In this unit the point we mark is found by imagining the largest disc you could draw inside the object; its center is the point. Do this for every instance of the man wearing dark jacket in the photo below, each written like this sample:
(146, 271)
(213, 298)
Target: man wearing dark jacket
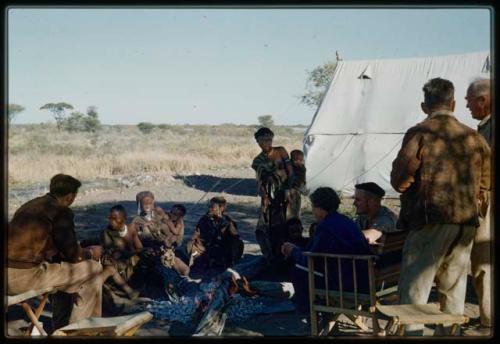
(442, 169)
(335, 234)
(43, 252)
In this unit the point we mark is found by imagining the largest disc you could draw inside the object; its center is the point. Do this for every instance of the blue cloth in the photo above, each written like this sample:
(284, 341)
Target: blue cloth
(336, 234)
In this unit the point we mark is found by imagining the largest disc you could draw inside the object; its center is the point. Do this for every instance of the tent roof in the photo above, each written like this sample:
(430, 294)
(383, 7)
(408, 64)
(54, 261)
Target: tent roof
(368, 107)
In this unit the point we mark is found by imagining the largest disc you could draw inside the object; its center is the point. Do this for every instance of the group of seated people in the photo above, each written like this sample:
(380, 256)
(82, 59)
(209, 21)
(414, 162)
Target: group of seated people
(43, 246)
(152, 241)
(155, 237)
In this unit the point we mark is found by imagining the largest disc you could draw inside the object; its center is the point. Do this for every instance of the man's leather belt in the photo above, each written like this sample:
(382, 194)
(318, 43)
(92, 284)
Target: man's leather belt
(15, 264)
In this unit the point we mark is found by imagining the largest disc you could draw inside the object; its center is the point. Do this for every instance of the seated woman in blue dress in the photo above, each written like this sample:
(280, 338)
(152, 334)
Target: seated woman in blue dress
(335, 234)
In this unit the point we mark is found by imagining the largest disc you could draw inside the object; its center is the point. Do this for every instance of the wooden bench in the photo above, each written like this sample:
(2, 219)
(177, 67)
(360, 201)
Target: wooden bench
(383, 268)
(125, 325)
(32, 315)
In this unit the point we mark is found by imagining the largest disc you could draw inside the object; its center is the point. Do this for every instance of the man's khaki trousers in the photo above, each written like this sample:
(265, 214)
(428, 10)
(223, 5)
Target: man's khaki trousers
(83, 278)
(481, 268)
(439, 253)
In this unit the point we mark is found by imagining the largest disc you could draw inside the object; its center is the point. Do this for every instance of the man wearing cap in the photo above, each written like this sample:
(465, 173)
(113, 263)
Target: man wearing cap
(479, 103)
(273, 171)
(373, 219)
(442, 170)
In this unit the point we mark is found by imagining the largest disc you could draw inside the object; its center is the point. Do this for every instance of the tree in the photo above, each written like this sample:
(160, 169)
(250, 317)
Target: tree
(91, 122)
(266, 120)
(317, 83)
(145, 127)
(74, 122)
(14, 110)
(58, 111)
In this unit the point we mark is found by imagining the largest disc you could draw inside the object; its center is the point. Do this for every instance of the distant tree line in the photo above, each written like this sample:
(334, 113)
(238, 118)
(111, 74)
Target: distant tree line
(75, 121)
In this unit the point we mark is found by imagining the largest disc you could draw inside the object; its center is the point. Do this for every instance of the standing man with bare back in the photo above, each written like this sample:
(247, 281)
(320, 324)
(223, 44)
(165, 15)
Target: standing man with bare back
(274, 171)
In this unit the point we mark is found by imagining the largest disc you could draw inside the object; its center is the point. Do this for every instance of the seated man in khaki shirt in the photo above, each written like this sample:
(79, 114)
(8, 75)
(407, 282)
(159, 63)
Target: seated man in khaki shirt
(43, 252)
(373, 219)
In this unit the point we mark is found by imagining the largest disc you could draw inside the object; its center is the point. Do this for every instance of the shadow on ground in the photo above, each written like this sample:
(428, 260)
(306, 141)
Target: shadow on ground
(233, 186)
(91, 220)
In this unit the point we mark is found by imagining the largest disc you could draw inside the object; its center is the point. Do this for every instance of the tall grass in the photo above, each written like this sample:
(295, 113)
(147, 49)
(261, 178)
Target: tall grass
(37, 152)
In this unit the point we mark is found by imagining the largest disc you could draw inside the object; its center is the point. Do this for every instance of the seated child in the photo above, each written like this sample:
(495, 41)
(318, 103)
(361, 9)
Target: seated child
(215, 241)
(160, 231)
(121, 246)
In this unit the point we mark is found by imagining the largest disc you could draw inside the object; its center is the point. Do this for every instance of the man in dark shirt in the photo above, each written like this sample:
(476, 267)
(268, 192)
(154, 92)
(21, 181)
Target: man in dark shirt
(335, 234)
(43, 252)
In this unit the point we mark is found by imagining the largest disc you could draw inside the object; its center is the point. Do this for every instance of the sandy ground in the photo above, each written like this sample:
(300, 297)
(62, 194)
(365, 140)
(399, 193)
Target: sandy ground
(239, 188)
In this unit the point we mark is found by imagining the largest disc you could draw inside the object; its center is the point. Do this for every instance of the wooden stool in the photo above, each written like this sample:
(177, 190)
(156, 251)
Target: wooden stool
(32, 315)
(401, 315)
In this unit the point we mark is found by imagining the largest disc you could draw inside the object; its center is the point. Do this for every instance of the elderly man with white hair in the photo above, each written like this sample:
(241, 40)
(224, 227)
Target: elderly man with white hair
(479, 103)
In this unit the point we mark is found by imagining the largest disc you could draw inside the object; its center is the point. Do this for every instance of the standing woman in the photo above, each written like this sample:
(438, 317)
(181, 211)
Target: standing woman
(273, 170)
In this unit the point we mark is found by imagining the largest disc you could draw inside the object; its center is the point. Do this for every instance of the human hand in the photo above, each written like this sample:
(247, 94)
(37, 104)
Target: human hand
(372, 235)
(287, 248)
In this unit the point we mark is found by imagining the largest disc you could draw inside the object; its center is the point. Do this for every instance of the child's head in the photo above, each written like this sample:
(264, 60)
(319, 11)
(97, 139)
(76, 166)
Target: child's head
(216, 205)
(117, 217)
(297, 157)
(177, 211)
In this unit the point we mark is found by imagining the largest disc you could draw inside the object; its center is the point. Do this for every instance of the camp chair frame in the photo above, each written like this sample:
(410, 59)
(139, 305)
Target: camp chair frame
(23, 298)
(382, 283)
(356, 305)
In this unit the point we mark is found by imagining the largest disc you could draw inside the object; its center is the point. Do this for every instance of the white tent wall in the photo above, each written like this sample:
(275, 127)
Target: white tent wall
(359, 126)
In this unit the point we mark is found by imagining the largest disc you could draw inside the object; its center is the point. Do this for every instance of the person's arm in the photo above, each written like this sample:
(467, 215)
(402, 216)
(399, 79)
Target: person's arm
(64, 236)
(315, 246)
(135, 239)
(288, 166)
(485, 181)
(407, 162)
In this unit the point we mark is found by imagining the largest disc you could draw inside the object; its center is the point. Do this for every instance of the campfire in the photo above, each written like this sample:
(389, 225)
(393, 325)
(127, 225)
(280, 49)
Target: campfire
(227, 296)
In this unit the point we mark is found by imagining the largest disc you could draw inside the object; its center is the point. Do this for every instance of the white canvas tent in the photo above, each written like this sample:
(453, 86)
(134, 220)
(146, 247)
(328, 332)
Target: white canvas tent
(359, 126)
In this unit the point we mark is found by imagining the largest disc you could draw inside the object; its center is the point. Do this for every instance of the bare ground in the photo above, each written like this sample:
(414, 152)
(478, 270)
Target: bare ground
(239, 188)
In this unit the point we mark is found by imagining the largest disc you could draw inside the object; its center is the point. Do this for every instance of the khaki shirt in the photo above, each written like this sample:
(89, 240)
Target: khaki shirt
(385, 221)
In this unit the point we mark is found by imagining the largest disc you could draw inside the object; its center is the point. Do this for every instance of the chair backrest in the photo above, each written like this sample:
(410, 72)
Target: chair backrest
(388, 263)
(351, 283)
(354, 279)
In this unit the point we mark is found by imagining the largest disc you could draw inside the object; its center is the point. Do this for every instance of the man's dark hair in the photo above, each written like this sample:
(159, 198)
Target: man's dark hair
(119, 208)
(263, 132)
(181, 208)
(325, 198)
(63, 184)
(438, 92)
(218, 200)
(296, 153)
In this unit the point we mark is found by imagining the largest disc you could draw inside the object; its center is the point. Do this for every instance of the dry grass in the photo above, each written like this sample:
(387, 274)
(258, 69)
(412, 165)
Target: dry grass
(37, 152)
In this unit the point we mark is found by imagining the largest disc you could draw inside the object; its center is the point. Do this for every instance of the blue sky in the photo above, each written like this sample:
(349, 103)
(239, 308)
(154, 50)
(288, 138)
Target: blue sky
(210, 66)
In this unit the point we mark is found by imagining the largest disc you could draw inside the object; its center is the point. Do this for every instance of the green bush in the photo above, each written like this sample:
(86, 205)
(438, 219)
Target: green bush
(145, 127)
(78, 122)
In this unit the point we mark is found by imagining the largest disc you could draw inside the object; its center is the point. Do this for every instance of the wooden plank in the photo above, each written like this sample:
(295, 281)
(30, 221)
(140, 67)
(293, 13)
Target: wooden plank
(420, 314)
(321, 308)
(312, 294)
(15, 299)
(348, 256)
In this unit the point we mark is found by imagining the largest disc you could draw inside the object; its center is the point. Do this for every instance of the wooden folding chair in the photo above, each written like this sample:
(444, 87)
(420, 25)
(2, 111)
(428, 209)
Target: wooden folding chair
(32, 315)
(383, 268)
(125, 325)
